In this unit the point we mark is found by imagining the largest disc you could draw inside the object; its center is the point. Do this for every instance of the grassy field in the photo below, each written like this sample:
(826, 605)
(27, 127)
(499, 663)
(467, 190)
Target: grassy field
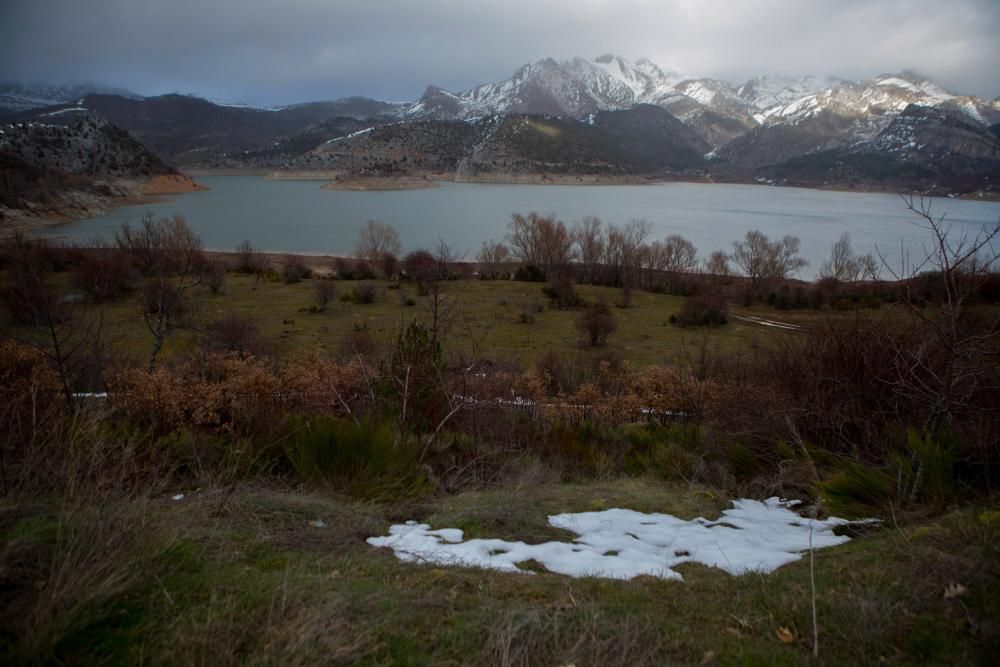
(246, 577)
(487, 320)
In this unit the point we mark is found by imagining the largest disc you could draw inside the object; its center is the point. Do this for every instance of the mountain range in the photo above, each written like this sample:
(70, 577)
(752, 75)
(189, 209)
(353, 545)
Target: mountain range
(607, 116)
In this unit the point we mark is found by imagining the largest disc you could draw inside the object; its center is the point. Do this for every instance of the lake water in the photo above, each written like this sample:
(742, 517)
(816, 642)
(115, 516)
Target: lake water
(298, 216)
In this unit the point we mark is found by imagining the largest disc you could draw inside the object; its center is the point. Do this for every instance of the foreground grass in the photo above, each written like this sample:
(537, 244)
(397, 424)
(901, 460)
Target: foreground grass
(244, 576)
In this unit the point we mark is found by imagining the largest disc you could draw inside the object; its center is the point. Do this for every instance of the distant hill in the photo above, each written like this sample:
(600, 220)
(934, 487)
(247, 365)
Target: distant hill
(935, 149)
(606, 115)
(184, 129)
(643, 140)
(57, 171)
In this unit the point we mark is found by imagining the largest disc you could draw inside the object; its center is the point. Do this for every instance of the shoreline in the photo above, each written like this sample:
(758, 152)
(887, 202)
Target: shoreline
(405, 182)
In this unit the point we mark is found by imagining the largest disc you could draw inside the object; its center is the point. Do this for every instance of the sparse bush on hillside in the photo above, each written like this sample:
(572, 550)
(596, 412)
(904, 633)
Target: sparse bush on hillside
(250, 260)
(105, 274)
(704, 310)
(597, 322)
(324, 292)
(561, 289)
(362, 294)
(233, 333)
(294, 269)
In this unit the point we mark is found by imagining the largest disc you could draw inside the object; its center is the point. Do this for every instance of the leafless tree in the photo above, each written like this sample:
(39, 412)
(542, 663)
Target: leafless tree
(764, 261)
(375, 242)
(622, 255)
(943, 362)
(844, 266)
(48, 320)
(540, 241)
(170, 256)
(492, 256)
(250, 260)
(588, 236)
(717, 264)
(441, 300)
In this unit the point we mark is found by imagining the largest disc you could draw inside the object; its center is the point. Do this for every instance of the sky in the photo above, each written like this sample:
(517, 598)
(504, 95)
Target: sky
(299, 50)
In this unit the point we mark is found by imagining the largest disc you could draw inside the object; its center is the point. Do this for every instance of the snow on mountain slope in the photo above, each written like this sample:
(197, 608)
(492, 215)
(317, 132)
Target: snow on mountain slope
(884, 96)
(716, 109)
(15, 97)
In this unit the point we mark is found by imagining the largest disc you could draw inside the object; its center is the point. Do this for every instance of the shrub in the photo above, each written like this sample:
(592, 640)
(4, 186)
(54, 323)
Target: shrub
(33, 305)
(562, 290)
(323, 292)
(419, 265)
(294, 269)
(597, 322)
(358, 343)
(250, 260)
(708, 310)
(344, 269)
(213, 275)
(105, 275)
(363, 459)
(233, 333)
(361, 294)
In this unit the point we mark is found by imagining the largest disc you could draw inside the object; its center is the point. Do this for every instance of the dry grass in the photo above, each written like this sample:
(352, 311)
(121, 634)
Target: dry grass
(179, 582)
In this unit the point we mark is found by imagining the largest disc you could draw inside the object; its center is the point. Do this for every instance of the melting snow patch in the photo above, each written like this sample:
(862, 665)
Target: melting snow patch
(753, 536)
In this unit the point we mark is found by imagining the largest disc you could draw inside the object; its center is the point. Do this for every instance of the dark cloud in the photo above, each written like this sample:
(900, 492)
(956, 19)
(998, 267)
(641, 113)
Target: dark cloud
(274, 52)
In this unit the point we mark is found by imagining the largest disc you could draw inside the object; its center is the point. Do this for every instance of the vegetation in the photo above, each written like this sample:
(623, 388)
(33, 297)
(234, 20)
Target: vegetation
(212, 505)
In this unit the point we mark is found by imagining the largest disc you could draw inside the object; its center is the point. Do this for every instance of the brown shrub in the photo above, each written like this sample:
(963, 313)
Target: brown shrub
(597, 322)
(708, 310)
(294, 269)
(105, 275)
(250, 260)
(28, 389)
(324, 292)
(233, 333)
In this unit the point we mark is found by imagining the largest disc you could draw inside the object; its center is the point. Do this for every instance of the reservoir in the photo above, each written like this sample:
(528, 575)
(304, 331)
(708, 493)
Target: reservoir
(300, 217)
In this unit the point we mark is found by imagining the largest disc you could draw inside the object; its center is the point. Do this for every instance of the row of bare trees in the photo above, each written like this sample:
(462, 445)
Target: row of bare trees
(625, 255)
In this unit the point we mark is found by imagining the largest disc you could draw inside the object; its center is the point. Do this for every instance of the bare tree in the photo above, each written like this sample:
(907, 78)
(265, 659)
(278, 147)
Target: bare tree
(540, 241)
(844, 266)
(250, 260)
(441, 300)
(622, 254)
(680, 254)
(717, 264)
(944, 361)
(170, 256)
(763, 260)
(375, 242)
(48, 320)
(492, 256)
(588, 236)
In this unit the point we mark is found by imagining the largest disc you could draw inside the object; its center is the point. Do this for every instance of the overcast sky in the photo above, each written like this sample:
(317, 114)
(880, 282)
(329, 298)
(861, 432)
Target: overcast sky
(297, 50)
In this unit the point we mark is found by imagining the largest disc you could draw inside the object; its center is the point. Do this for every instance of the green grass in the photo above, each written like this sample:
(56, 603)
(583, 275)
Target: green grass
(250, 580)
(487, 320)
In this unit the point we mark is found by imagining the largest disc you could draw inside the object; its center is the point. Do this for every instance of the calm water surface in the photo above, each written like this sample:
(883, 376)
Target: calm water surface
(298, 216)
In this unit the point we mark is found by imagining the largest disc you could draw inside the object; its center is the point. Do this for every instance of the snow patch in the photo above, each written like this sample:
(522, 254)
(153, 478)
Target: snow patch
(62, 111)
(753, 536)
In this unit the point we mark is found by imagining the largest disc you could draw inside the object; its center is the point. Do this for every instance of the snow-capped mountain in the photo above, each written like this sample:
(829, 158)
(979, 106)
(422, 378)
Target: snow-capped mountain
(16, 97)
(719, 111)
(885, 95)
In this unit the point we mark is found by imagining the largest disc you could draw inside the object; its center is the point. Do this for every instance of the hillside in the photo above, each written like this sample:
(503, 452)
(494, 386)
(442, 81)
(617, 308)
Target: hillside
(53, 171)
(642, 140)
(936, 150)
